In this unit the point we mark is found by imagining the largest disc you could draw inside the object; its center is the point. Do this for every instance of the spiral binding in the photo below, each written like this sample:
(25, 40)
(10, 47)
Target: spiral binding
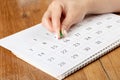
(90, 59)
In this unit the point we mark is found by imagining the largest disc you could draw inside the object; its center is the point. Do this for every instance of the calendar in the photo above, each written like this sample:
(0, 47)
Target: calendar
(86, 41)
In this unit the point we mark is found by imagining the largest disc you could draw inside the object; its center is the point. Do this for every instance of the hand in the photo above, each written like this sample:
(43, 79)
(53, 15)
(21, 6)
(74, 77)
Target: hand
(62, 14)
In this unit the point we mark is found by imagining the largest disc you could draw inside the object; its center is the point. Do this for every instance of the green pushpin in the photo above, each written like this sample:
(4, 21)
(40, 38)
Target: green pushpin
(61, 34)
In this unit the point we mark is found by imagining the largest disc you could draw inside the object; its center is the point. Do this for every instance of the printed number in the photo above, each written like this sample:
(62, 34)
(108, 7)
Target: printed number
(87, 48)
(74, 56)
(77, 34)
(41, 54)
(47, 34)
(89, 28)
(63, 51)
(61, 64)
(98, 32)
(109, 26)
(66, 40)
(31, 50)
(51, 59)
(35, 39)
(76, 44)
(54, 47)
(44, 43)
(98, 42)
(88, 38)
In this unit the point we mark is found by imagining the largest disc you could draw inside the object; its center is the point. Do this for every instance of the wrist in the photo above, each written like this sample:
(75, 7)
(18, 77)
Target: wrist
(103, 6)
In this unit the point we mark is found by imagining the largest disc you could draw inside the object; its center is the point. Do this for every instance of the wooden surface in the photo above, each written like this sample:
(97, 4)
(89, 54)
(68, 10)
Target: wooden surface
(16, 15)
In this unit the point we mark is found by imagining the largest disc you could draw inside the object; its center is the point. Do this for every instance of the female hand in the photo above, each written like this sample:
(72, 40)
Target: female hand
(62, 14)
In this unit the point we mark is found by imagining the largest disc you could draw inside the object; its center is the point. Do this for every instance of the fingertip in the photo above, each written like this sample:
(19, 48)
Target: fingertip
(64, 32)
(56, 16)
(57, 35)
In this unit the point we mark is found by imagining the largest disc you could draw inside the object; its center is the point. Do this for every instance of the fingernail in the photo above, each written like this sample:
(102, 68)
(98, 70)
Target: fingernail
(57, 35)
(64, 32)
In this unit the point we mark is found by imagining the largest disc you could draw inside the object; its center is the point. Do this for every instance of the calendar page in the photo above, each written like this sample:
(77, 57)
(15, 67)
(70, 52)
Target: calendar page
(42, 49)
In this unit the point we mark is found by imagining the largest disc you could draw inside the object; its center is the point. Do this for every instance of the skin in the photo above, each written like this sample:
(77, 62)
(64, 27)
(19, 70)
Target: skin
(62, 14)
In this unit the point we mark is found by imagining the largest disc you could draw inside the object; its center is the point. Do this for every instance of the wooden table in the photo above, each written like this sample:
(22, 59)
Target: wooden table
(16, 15)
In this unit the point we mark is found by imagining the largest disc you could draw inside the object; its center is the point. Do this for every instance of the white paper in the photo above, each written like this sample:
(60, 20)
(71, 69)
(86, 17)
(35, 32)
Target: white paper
(40, 48)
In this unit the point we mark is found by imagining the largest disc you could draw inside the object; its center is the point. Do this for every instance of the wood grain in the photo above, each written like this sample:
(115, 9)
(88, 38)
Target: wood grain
(16, 15)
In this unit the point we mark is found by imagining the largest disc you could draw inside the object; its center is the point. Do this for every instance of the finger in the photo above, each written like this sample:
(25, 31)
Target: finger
(46, 21)
(70, 19)
(56, 16)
